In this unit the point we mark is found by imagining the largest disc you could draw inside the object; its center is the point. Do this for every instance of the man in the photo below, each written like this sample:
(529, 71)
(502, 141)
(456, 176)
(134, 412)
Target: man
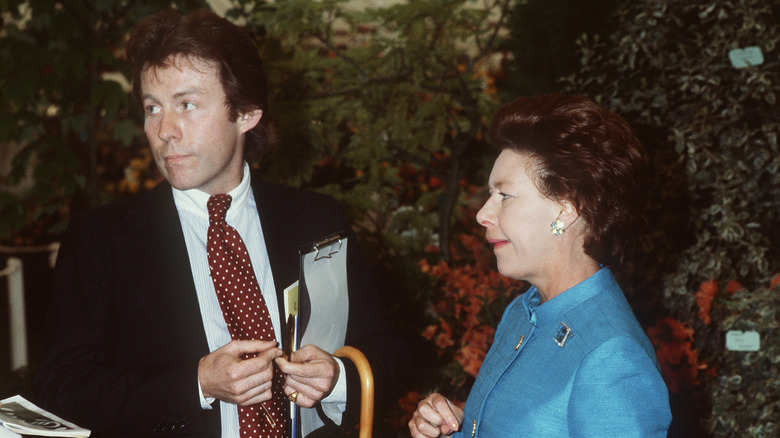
(141, 341)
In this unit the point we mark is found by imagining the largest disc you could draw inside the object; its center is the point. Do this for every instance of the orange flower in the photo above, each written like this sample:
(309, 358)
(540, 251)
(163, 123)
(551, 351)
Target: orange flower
(429, 331)
(775, 281)
(407, 404)
(679, 360)
(444, 338)
(733, 286)
(470, 358)
(704, 297)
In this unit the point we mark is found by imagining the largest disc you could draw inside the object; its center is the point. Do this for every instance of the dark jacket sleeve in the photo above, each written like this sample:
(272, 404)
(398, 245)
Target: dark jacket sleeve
(123, 339)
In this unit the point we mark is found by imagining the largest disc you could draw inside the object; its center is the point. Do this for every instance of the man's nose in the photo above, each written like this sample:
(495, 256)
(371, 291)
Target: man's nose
(169, 127)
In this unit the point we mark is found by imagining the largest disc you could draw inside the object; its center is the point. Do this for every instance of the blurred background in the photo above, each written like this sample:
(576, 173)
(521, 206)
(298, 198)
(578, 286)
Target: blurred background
(385, 105)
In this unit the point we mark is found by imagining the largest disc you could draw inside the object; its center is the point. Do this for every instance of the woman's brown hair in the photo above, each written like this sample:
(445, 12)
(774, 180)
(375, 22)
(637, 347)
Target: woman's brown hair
(586, 155)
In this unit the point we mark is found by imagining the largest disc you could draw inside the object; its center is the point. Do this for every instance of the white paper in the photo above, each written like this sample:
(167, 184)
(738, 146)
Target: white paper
(19, 415)
(743, 341)
(5, 433)
(326, 283)
(747, 57)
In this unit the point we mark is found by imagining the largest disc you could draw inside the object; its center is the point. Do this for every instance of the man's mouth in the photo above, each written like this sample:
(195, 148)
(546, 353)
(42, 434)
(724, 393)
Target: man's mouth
(175, 159)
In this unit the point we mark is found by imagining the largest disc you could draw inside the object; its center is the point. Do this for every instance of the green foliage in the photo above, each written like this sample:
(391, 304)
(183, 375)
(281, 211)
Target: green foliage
(746, 395)
(711, 129)
(672, 73)
(62, 106)
(543, 41)
(378, 96)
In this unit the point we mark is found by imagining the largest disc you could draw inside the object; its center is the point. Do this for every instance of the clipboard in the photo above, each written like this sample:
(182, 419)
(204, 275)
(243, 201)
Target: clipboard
(323, 310)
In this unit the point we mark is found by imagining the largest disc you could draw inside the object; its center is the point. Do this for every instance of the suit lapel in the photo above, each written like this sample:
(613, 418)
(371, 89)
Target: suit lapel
(157, 242)
(274, 221)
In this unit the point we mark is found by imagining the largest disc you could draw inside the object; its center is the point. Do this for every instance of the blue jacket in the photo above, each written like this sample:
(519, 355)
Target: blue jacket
(578, 365)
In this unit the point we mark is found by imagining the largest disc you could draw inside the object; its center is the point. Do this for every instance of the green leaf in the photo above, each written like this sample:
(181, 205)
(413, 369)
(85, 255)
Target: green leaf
(125, 131)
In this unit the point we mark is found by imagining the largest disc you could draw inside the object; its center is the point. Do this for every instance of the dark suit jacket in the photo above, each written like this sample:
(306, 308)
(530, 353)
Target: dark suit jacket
(126, 332)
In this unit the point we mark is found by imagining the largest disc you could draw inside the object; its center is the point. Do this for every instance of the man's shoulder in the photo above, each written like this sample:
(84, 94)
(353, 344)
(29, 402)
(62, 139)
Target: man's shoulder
(284, 196)
(131, 210)
(276, 190)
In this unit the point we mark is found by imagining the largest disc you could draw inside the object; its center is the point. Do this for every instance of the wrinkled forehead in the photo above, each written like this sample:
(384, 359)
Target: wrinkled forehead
(513, 167)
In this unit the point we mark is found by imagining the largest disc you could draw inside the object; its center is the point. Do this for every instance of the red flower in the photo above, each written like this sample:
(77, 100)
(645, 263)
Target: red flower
(407, 404)
(704, 297)
(733, 286)
(429, 332)
(679, 361)
(775, 281)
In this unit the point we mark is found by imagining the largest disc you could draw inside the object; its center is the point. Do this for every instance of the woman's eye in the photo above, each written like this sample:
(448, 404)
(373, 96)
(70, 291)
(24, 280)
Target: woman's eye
(503, 195)
(152, 109)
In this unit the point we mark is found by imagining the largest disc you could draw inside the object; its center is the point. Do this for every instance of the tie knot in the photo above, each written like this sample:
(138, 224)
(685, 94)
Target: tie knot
(218, 206)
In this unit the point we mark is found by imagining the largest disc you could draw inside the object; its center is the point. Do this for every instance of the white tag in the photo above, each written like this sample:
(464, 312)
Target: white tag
(291, 299)
(743, 341)
(749, 56)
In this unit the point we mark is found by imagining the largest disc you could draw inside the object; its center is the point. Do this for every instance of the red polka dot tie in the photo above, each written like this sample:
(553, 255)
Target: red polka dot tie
(245, 313)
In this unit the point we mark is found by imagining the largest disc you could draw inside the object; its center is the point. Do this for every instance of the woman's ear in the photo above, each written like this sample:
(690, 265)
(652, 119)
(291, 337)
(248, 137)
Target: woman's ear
(569, 214)
(247, 121)
(568, 211)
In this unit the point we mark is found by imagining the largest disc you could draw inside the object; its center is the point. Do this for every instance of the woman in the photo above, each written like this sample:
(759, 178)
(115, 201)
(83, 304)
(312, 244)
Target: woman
(569, 358)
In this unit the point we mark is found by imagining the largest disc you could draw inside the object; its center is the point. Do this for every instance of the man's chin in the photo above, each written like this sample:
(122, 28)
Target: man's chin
(182, 184)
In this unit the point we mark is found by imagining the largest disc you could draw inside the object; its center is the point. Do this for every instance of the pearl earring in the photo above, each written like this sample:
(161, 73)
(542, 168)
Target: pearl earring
(557, 226)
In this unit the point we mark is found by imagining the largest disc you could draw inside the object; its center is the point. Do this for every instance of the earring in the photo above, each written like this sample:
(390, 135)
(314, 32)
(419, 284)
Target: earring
(557, 227)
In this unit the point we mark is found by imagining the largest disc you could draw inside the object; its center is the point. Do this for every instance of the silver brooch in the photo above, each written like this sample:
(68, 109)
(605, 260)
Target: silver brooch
(563, 334)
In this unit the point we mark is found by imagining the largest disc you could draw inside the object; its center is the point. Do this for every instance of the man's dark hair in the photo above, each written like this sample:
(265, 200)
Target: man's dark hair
(159, 40)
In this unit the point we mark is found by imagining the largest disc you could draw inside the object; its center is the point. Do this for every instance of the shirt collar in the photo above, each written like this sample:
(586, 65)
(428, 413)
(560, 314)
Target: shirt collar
(541, 314)
(194, 200)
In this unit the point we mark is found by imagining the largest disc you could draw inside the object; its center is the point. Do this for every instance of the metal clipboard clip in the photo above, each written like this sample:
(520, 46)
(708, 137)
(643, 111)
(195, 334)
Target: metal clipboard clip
(326, 247)
(319, 256)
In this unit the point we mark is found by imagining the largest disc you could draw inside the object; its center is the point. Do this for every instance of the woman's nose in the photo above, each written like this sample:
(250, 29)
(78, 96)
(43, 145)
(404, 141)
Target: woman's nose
(485, 215)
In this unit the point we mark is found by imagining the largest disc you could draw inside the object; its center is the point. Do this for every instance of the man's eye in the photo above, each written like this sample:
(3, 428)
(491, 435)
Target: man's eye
(188, 106)
(503, 195)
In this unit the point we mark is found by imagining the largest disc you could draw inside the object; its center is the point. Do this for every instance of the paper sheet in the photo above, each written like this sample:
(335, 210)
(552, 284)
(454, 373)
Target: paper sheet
(325, 277)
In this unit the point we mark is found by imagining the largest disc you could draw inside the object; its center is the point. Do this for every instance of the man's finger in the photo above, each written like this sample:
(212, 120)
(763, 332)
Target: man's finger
(250, 346)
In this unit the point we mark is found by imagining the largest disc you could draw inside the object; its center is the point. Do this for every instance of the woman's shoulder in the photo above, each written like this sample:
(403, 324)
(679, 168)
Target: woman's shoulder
(604, 317)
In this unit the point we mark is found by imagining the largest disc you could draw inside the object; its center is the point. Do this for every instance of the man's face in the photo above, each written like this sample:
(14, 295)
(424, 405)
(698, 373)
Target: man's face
(193, 140)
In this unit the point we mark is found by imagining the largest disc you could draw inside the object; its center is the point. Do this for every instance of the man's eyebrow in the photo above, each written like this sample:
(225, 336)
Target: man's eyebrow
(179, 94)
(189, 91)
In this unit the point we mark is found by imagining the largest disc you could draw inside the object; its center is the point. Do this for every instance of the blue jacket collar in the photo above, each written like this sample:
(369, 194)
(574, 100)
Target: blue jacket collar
(542, 314)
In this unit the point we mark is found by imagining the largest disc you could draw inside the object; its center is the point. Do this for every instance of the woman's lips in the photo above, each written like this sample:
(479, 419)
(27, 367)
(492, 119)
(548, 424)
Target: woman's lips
(498, 243)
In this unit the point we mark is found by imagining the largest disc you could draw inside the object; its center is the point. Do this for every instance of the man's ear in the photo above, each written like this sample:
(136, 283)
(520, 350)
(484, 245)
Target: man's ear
(248, 120)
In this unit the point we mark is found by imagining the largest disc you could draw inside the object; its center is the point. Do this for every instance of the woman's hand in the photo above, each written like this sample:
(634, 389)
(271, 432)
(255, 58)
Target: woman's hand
(435, 416)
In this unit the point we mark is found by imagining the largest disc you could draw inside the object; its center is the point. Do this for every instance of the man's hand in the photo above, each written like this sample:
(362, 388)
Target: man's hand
(435, 416)
(311, 372)
(224, 375)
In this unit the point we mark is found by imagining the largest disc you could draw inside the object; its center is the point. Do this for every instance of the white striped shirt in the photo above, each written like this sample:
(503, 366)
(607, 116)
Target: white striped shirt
(242, 215)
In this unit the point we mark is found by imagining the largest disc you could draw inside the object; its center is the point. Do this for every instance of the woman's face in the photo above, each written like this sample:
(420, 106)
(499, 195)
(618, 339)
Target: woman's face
(517, 220)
